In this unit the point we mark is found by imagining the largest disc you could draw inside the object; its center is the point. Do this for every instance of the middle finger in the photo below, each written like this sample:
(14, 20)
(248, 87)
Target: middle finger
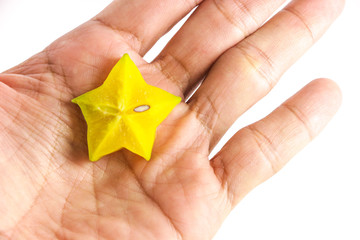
(213, 28)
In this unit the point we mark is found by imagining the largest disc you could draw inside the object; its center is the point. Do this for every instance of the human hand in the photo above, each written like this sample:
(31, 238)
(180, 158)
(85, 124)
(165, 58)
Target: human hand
(49, 188)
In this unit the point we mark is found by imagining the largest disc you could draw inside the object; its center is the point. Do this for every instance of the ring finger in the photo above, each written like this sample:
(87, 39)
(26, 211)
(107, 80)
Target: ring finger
(248, 71)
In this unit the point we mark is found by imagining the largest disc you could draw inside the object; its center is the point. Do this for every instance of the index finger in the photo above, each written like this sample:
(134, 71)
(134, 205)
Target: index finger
(145, 21)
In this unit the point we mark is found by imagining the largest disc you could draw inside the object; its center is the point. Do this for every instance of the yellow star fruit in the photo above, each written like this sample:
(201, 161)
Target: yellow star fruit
(124, 112)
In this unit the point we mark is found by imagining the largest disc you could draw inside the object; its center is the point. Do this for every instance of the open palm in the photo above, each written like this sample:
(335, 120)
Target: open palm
(50, 190)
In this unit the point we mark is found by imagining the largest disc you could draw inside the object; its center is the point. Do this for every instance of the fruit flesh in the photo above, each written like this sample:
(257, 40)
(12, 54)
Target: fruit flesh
(111, 116)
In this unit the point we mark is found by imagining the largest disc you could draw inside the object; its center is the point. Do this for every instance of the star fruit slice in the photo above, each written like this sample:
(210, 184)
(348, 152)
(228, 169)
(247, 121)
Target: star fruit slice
(124, 112)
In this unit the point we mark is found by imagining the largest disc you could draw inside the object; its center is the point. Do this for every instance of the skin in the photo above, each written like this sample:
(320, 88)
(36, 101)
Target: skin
(50, 190)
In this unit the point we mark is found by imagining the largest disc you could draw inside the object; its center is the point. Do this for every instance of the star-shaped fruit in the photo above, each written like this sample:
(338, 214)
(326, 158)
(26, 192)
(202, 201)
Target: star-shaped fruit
(124, 112)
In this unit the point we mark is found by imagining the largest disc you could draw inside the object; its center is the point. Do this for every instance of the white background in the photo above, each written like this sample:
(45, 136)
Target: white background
(317, 195)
